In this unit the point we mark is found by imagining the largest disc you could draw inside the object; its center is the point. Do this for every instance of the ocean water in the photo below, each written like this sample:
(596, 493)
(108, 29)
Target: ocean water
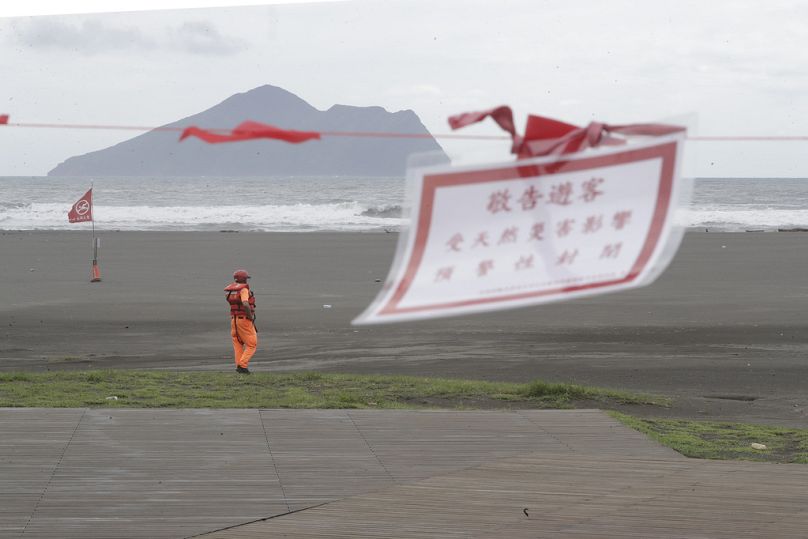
(304, 204)
(729, 204)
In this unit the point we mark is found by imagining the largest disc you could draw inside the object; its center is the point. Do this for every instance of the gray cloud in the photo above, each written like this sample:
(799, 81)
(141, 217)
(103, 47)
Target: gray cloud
(203, 38)
(93, 37)
(88, 37)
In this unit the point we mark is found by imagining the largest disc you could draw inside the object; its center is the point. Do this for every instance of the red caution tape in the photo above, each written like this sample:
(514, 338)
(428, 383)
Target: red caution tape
(538, 129)
(502, 115)
(250, 130)
(545, 136)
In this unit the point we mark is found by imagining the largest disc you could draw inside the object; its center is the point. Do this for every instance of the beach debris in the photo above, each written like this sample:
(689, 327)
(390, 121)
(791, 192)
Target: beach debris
(758, 446)
(378, 280)
(32, 269)
(326, 306)
(525, 512)
(723, 246)
(742, 398)
(112, 398)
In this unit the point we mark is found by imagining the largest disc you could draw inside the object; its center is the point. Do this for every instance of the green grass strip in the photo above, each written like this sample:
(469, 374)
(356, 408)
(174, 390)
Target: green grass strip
(168, 389)
(725, 441)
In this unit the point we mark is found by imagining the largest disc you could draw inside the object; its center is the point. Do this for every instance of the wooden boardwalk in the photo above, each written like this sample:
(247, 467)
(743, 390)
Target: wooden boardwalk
(340, 473)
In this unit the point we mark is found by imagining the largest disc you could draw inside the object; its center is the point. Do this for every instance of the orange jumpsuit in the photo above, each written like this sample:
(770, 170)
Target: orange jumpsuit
(245, 338)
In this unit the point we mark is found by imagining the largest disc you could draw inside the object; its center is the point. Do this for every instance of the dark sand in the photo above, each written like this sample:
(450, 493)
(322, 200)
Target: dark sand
(723, 331)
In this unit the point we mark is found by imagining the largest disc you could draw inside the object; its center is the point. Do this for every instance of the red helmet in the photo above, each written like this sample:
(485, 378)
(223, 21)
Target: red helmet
(241, 276)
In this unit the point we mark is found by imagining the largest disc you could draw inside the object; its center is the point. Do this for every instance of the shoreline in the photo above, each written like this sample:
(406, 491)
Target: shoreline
(724, 324)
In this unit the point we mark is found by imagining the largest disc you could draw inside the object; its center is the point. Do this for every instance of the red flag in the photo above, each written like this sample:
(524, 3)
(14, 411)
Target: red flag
(82, 210)
(3, 119)
(250, 130)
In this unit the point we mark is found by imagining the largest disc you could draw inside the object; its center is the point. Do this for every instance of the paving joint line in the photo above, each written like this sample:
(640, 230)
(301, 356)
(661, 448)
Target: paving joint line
(274, 463)
(362, 435)
(257, 520)
(547, 432)
(53, 472)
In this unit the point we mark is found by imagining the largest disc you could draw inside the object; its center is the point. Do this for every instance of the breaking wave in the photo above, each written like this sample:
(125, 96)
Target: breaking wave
(735, 220)
(386, 212)
(345, 216)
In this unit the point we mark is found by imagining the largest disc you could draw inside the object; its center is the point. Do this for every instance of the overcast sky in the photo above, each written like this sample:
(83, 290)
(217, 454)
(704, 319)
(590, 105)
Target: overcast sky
(740, 66)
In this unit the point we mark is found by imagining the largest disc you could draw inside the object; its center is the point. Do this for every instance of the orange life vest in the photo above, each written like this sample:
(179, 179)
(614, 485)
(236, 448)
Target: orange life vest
(234, 298)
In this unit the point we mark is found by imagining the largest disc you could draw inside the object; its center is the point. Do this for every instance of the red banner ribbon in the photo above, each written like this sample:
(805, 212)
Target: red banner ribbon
(502, 115)
(250, 130)
(545, 136)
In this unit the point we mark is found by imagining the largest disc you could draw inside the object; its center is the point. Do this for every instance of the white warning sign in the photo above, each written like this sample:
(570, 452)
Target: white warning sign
(533, 231)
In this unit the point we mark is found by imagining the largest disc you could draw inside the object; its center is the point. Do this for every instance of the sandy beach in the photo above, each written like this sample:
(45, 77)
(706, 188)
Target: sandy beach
(722, 331)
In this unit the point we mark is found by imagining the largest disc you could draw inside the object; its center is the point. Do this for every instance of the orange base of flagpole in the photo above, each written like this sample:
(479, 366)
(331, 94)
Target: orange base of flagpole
(96, 273)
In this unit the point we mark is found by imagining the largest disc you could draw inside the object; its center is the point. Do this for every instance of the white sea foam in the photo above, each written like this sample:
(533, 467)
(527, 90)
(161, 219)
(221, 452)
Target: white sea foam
(734, 220)
(295, 217)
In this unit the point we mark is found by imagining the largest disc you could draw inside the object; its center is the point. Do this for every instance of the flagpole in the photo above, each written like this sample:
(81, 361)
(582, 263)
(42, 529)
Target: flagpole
(96, 273)
(92, 221)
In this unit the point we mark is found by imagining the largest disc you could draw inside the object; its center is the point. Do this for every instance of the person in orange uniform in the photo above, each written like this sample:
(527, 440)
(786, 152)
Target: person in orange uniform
(242, 320)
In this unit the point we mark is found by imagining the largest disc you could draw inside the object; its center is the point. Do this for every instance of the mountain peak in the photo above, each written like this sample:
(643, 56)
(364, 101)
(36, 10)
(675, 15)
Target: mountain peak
(267, 96)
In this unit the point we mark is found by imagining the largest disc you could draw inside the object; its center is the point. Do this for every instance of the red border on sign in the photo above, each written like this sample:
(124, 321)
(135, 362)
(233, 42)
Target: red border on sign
(667, 152)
